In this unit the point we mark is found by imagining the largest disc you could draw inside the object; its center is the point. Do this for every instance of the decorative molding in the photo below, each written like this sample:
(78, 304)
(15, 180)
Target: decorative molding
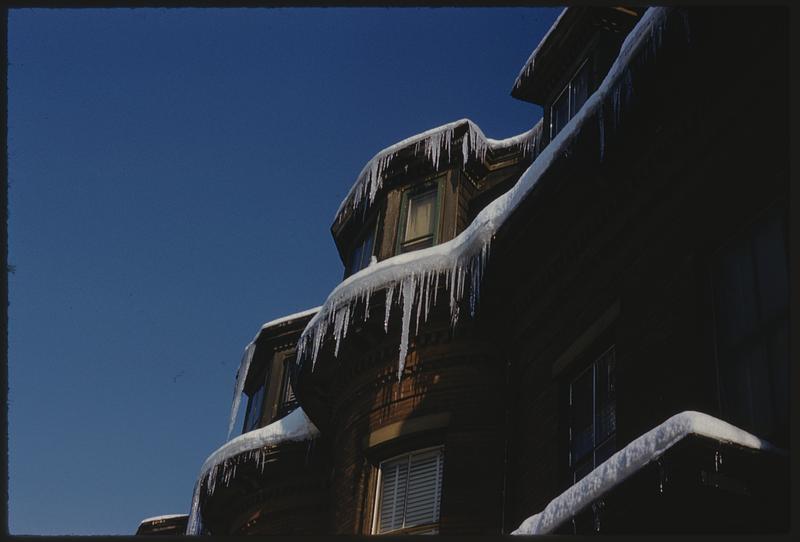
(405, 428)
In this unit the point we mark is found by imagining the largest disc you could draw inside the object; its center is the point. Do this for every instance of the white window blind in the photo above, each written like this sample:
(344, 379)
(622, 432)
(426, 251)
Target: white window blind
(410, 491)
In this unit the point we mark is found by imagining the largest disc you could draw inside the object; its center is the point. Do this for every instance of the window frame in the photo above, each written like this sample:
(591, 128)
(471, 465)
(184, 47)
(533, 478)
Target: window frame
(568, 88)
(763, 329)
(430, 185)
(597, 354)
(376, 509)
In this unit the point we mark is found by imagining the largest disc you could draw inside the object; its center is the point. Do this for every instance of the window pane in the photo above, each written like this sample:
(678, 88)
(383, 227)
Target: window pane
(778, 353)
(760, 391)
(734, 292)
(770, 252)
(579, 89)
(288, 390)
(751, 304)
(393, 489)
(410, 491)
(605, 409)
(255, 405)
(355, 259)
(366, 252)
(734, 390)
(559, 113)
(605, 450)
(362, 254)
(419, 221)
(424, 479)
(582, 470)
(582, 416)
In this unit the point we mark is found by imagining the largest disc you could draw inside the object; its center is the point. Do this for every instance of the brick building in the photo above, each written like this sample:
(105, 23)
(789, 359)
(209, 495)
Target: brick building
(565, 304)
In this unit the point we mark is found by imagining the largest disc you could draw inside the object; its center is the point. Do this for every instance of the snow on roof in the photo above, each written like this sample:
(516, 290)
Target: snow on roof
(159, 518)
(293, 427)
(527, 68)
(474, 143)
(283, 319)
(463, 258)
(630, 459)
(247, 357)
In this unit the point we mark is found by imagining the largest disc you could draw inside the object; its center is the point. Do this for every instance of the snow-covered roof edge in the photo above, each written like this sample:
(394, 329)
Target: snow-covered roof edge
(463, 258)
(475, 143)
(247, 357)
(630, 459)
(528, 66)
(290, 317)
(295, 426)
(159, 518)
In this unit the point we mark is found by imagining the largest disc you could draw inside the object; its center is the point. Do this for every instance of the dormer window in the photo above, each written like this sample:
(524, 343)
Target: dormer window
(362, 254)
(570, 100)
(419, 218)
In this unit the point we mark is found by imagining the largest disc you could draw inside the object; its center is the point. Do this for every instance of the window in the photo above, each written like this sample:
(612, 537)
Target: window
(288, 399)
(362, 254)
(409, 493)
(751, 320)
(255, 406)
(570, 100)
(418, 218)
(593, 416)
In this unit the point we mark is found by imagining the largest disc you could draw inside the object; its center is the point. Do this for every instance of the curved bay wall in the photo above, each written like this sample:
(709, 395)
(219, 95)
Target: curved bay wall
(451, 395)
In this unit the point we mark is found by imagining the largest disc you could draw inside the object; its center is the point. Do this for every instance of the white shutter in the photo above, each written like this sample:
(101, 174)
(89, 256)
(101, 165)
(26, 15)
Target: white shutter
(410, 490)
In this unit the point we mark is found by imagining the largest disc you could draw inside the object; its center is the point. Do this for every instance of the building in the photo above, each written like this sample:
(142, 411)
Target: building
(170, 524)
(580, 329)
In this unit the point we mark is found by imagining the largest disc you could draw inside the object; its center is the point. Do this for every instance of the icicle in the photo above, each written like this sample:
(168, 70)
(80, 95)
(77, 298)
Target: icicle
(366, 303)
(407, 292)
(436, 288)
(340, 327)
(194, 526)
(419, 307)
(467, 253)
(389, 293)
(427, 294)
(597, 507)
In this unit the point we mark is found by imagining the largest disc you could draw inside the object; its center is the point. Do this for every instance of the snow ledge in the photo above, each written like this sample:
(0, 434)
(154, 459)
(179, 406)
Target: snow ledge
(160, 518)
(630, 459)
(293, 427)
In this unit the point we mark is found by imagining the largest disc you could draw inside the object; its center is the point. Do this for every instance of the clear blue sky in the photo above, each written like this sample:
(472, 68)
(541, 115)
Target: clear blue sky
(173, 175)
